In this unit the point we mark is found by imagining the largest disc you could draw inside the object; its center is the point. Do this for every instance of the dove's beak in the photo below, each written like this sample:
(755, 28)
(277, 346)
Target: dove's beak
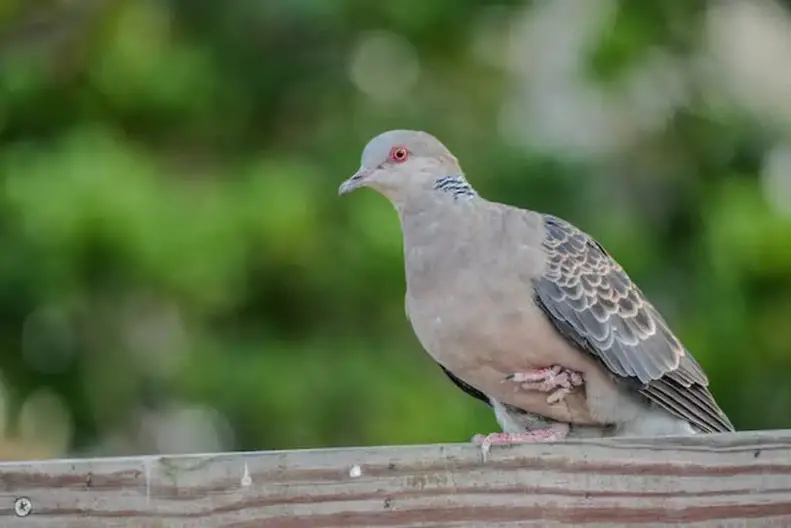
(355, 182)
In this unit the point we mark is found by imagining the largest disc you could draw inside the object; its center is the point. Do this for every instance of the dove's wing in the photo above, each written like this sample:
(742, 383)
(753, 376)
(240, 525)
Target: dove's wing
(592, 302)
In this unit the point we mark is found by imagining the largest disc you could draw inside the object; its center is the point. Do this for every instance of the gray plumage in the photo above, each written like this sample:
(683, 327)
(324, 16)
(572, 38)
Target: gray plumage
(494, 290)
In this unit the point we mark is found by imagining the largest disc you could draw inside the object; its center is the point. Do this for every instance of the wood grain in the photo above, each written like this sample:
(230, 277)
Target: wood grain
(741, 479)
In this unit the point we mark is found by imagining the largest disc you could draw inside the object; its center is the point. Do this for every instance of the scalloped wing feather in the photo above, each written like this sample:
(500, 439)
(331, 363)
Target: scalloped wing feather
(593, 303)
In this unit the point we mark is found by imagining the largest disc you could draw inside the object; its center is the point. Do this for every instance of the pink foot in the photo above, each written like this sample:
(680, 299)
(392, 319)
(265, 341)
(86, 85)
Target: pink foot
(549, 434)
(555, 379)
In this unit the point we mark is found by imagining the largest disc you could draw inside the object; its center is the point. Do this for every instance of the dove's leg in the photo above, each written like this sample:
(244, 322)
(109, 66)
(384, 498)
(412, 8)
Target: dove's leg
(556, 380)
(555, 432)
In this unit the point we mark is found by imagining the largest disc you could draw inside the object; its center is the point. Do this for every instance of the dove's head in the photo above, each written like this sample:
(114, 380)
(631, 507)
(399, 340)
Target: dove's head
(399, 163)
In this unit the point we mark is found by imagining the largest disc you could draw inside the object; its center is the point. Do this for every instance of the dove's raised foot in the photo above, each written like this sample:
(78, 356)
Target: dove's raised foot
(556, 380)
(537, 436)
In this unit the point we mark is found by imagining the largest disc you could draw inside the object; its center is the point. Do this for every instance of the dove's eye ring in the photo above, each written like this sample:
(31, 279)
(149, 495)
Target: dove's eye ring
(399, 154)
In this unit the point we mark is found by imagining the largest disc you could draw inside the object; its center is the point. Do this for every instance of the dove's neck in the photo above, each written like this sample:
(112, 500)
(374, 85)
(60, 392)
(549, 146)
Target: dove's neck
(438, 229)
(425, 209)
(455, 186)
(440, 191)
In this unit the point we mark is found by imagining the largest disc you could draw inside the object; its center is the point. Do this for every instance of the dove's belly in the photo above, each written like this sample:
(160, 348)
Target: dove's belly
(484, 339)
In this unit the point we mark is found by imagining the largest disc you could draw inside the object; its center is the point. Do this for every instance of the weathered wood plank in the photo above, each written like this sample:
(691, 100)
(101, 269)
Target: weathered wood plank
(741, 479)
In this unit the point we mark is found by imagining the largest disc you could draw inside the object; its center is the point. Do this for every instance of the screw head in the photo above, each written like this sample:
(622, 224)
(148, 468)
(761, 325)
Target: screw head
(23, 507)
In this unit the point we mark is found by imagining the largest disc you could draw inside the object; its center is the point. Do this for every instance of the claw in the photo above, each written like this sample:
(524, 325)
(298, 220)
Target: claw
(548, 434)
(555, 380)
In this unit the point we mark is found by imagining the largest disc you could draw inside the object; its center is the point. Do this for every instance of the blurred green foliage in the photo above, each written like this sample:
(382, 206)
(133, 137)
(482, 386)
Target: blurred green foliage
(172, 237)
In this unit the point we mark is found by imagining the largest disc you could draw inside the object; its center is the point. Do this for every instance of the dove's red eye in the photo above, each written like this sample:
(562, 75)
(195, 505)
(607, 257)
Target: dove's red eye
(399, 154)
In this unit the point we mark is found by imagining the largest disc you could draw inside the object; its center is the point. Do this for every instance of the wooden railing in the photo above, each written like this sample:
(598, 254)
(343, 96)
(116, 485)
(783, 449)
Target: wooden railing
(741, 479)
